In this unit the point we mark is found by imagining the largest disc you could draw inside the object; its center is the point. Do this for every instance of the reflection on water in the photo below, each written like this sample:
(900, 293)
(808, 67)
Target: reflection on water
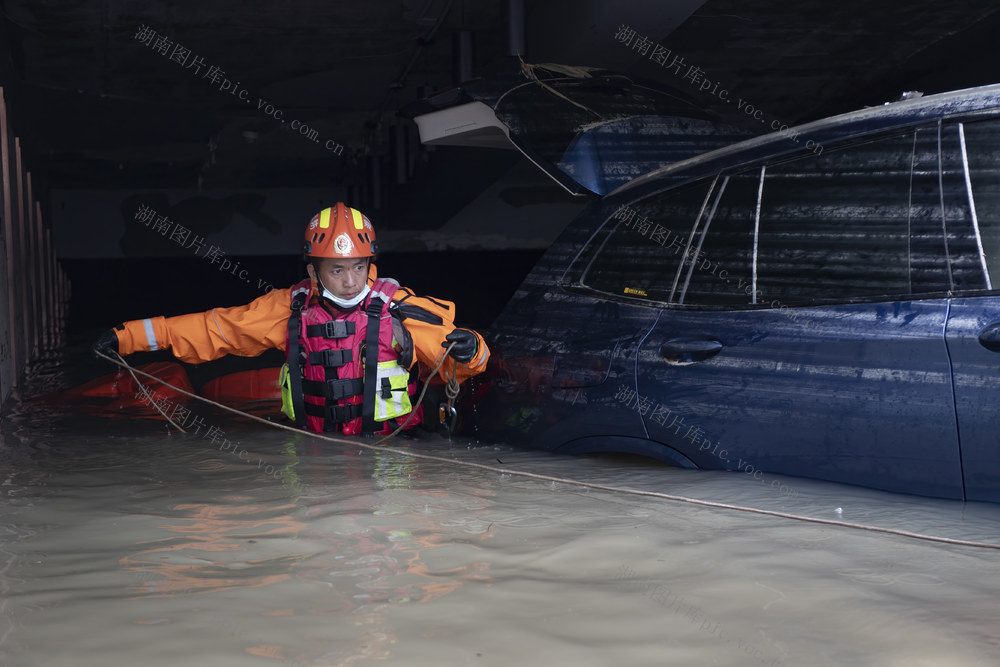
(181, 566)
(123, 544)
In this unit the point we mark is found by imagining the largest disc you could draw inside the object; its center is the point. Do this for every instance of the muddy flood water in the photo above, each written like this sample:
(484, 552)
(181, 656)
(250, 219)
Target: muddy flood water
(123, 544)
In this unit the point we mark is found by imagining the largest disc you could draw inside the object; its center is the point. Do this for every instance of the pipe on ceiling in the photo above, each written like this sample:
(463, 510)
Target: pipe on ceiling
(515, 25)
(461, 56)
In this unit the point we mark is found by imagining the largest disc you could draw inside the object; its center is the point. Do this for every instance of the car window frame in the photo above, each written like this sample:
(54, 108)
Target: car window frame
(610, 226)
(573, 280)
(972, 200)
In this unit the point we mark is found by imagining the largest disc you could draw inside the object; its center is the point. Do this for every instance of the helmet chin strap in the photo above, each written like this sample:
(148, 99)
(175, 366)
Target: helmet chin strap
(343, 303)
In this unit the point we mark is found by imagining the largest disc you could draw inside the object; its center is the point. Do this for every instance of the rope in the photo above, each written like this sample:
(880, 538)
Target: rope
(451, 393)
(452, 388)
(142, 387)
(570, 482)
(420, 399)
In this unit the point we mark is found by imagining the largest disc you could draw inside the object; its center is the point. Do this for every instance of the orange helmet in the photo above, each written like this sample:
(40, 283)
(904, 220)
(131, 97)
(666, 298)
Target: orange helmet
(340, 232)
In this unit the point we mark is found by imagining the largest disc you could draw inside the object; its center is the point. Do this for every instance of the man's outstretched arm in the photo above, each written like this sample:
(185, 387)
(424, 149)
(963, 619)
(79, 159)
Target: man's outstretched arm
(196, 337)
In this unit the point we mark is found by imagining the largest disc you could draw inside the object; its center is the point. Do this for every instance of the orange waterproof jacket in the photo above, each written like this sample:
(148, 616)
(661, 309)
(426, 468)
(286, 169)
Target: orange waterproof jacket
(262, 324)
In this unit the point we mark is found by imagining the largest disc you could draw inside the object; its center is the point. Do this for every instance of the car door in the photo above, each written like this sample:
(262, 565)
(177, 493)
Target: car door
(804, 333)
(973, 332)
(558, 360)
(974, 344)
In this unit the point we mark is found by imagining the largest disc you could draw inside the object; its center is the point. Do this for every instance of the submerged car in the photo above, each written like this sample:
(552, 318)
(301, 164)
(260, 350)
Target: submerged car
(817, 302)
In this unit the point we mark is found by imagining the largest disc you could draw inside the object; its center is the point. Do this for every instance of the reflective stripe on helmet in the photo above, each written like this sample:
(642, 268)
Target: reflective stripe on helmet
(356, 218)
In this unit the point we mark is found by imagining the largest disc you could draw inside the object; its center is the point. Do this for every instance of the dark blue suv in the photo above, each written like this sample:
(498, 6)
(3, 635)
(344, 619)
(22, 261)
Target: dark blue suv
(819, 302)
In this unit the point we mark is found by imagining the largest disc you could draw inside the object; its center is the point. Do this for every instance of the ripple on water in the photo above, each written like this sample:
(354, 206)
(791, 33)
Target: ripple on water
(120, 544)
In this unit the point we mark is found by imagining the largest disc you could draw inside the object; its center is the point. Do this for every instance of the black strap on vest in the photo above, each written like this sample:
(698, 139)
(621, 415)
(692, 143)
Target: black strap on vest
(333, 390)
(331, 358)
(386, 389)
(331, 329)
(368, 425)
(333, 416)
(294, 368)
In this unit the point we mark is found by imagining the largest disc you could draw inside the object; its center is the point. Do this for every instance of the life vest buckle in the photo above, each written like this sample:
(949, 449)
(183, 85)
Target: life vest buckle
(338, 329)
(331, 358)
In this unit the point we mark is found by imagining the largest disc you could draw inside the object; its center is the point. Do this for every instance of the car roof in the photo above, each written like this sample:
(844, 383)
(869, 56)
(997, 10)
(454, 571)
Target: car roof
(870, 120)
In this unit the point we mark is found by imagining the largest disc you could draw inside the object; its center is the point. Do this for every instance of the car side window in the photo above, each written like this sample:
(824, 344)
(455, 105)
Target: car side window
(836, 226)
(982, 142)
(638, 251)
(858, 222)
(718, 271)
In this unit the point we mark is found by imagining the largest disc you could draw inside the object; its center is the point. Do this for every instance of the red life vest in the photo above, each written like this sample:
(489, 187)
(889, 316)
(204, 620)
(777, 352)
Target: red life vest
(331, 350)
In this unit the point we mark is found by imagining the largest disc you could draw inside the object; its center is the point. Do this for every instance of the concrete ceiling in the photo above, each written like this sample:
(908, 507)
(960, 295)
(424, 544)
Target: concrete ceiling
(99, 106)
(127, 93)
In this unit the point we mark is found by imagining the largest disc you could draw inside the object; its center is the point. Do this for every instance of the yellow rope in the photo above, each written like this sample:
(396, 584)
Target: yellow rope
(562, 480)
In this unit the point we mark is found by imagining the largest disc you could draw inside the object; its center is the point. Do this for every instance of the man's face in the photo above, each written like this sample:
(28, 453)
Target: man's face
(344, 277)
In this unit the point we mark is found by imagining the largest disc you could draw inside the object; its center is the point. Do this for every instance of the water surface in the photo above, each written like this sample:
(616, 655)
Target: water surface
(124, 544)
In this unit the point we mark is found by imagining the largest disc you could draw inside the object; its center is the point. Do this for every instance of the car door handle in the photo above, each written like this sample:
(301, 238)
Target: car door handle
(990, 337)
(684, 351)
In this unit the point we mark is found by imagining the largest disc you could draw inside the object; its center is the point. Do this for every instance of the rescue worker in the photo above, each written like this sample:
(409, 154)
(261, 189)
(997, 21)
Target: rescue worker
(352, 339)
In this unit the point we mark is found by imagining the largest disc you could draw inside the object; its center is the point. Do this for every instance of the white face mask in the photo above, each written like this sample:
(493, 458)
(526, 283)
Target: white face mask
(345, 303)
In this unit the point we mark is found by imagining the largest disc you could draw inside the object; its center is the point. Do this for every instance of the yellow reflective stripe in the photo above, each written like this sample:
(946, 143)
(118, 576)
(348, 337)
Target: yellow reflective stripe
(398, 404)
(356, 217)
(285, 382)
(324, 218)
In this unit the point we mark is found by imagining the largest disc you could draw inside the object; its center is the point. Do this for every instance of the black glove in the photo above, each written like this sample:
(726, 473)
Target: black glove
(466, 344)
(107, 344)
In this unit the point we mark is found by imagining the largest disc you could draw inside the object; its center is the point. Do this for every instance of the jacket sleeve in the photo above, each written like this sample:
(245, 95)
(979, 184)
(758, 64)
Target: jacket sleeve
(242, 330)
(428, 321)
